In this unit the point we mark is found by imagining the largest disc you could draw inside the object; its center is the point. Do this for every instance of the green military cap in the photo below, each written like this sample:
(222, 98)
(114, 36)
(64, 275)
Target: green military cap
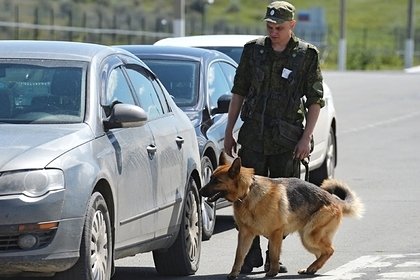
(279, 12)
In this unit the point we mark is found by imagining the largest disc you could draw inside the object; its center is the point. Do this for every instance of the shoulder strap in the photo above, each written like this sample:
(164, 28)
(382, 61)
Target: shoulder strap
(298, 58)
(259, 52)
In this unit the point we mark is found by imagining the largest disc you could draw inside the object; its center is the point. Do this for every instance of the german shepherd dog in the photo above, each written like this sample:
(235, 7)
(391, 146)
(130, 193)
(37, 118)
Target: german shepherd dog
(276, 207)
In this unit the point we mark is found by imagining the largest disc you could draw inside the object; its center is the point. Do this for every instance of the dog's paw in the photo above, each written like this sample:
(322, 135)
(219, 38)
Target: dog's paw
(232, 276)
(306, 271)
(272, 273)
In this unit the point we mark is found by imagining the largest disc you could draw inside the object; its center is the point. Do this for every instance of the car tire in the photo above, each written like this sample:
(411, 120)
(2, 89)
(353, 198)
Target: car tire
(208, 208)
(183, 257)
(326, 170)
(95, 261)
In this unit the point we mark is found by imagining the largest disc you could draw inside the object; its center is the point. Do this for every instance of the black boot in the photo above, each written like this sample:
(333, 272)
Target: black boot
(253, 258)
(282, 268)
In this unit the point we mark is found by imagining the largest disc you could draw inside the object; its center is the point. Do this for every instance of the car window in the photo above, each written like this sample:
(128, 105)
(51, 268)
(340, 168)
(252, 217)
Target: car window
(234, 52)
(146, 93)
(217, 85)
(42, 91)
(180, 78)
(159, 90)
(117, 89)
(229, 70)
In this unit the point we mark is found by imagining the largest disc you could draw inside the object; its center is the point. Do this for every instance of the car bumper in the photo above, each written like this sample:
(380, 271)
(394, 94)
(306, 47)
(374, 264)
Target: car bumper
(58, 247)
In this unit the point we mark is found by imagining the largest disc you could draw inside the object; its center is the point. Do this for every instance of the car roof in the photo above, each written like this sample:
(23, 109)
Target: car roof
(175, 52)
(55, 50)
(228, 40)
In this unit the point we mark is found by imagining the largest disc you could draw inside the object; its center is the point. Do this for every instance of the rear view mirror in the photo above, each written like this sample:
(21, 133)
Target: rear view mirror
(222, 104)
(125, 115)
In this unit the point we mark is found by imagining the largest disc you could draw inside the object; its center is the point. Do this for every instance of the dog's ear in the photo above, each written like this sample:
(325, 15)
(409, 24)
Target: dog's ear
(222, 159)
(235, 168)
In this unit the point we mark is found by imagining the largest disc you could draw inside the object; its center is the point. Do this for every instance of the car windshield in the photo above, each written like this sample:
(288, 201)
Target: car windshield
(41, 91)
(234, 52)
(180, 78)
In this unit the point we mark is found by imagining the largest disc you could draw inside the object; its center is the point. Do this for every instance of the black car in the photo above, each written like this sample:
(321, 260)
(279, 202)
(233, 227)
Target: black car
(200, 82)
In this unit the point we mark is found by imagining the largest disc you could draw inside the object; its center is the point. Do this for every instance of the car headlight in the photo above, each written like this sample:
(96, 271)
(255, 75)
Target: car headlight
(31, 183)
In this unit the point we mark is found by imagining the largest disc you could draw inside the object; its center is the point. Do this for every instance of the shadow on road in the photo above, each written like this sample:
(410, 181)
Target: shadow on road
(124, 273)
(224, 223)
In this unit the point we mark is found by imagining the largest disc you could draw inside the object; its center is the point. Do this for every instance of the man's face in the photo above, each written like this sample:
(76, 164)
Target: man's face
(280, 33)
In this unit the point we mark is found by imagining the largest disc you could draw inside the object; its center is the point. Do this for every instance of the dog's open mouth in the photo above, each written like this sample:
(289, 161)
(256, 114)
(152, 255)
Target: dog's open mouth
(216, 196)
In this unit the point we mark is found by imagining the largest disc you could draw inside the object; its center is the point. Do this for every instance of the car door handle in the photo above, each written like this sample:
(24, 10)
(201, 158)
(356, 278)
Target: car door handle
(151, 150)
(179, 141)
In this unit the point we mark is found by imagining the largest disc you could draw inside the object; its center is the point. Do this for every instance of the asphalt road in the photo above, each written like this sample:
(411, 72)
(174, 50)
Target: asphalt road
(378, 156)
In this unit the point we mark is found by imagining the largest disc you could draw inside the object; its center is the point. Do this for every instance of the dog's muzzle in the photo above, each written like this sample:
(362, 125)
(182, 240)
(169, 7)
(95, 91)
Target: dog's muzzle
(216, 196)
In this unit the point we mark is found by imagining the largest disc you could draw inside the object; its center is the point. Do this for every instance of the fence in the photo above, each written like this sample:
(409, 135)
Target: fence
(98, 26)
(107, 26)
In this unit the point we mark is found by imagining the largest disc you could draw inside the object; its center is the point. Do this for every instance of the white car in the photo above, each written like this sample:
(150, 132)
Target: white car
(323, 159)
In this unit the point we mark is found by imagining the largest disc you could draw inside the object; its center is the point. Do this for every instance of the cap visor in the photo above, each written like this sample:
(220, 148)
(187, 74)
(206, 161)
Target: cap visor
(273, 20)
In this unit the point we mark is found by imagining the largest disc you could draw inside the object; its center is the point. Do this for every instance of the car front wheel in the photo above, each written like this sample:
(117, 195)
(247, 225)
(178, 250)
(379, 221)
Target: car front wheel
(95, 261)
(183, 257)
(208, 208)
(326, 170)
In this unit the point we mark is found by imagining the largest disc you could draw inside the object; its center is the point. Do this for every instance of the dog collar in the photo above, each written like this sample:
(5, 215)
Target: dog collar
(241, 199)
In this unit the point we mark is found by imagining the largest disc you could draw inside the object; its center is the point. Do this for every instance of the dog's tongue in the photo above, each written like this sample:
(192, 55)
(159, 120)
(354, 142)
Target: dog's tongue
(214, 197)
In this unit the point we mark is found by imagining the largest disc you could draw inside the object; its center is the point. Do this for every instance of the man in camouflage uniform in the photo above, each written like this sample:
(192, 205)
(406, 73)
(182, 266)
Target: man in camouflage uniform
(273, 75)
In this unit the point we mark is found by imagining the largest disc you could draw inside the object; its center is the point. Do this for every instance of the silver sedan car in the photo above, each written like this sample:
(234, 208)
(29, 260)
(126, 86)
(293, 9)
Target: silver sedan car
(97, 163)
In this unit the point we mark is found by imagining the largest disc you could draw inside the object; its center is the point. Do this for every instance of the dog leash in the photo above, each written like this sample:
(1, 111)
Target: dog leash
(305, 163)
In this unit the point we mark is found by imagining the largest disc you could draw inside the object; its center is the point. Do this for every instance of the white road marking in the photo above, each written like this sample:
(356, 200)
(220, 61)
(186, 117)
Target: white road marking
(396, 119)
(409, 264)
(389, 267)
(400, 275)
(346, 271)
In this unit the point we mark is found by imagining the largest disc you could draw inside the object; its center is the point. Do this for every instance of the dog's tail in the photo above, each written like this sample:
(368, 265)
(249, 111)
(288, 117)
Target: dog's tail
(352, 205)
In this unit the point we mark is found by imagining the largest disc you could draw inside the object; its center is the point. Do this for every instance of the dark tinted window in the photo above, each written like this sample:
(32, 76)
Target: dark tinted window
(180, 78)
(234, 52)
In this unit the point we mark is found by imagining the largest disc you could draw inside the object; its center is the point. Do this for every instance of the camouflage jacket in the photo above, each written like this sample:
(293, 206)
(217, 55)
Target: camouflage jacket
(271, 96)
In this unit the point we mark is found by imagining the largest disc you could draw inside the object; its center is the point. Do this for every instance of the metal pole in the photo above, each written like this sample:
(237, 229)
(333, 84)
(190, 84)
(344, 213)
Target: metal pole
(342, 51)
(409, 43)
(179, 20)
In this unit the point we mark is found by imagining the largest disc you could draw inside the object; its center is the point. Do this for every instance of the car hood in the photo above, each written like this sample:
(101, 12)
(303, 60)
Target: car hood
(35, 146)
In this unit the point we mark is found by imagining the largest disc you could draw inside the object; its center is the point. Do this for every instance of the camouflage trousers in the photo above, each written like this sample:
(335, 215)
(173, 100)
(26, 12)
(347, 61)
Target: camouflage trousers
(274, 166)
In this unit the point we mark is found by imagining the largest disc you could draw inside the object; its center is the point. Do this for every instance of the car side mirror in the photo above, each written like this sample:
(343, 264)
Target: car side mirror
(125, 115)
(222, 104)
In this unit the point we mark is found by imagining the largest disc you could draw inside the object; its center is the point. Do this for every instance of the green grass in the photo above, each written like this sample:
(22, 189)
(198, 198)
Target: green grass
(370, 27)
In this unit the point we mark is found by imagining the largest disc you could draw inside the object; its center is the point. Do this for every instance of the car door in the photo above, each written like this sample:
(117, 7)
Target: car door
(136, 168)
(217, 85)
(169, 177)
(230, 70)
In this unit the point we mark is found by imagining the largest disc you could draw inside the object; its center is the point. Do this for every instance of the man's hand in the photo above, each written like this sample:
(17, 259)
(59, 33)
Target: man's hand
(234, 110)
(230, 145)
(303, 148)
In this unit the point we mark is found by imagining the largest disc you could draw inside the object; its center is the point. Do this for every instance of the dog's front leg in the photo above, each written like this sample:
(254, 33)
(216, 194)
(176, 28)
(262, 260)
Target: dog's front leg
(244, 243)
(274, 249)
